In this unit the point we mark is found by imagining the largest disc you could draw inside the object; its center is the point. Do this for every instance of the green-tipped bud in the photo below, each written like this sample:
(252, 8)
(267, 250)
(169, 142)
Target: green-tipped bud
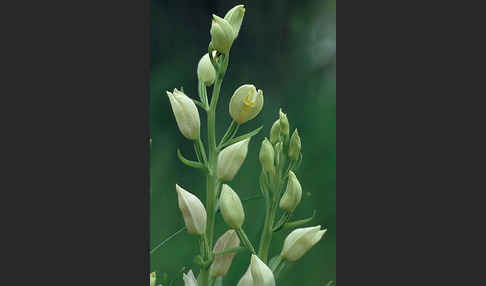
(284, 123)
(222, 34)
(235, 18)
(153, 278)
(222, 263)
(295, 145)
(189, 279)
(299, 241)
(291, 198)
(245, 103)
(205, 70)
(231, 208)
(186, 114)
(192, 210)
(231, 159)
(246, 279)
(275, 132)
(262, 275)
(267, 156)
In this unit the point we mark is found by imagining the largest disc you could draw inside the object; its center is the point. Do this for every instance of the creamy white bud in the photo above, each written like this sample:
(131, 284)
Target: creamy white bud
(222, 34)
(186, 114)
(267, 156)
(284, 123)
(262, 275)
(189, 279)
(153, 278)
(231, 207)
(295, 145)
(231, 158)
(246, 103)
(293, 193)
(246, 279)
(222, 263)
(299, 241)
(275, 132)
(205, 70)
(235, 18)
(192, 210)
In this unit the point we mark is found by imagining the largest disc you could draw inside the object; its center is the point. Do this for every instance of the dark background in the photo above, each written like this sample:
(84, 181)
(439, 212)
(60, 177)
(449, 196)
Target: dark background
(285, 48)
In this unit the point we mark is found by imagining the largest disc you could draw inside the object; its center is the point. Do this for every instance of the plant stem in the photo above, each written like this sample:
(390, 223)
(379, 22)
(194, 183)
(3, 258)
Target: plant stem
(212, 182)
(244, 238)
(267, 232)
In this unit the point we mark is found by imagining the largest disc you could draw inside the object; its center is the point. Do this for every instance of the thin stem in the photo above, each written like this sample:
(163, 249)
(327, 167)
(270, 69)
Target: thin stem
(244, 239)
(202, 150)
(166, 240)
(230, 250)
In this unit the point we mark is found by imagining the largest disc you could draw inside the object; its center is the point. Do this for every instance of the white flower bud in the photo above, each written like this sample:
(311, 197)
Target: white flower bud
(222, 263)
(267, 156)
(235, 18)
(189, 279)
(295, 145)
(186, 114)
(284, 123)
(231, 158)
(293, 194)
(275, 132)
(231, 207)
(262, 275)
(192, 210)
(299, 241)
(246, 279)
(153, 278)
(246, 103)
(205, 70)
(222, 34)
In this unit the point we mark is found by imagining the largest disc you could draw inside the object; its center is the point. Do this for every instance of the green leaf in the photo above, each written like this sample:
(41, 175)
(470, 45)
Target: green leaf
(189, 163)
(298, 223)
(242, 137)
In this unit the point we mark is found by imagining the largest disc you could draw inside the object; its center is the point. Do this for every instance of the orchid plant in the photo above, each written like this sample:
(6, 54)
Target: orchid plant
(280, 157)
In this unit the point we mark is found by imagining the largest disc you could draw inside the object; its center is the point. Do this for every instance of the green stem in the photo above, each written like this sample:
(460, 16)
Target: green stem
(212, 182)
(244, 239)
(230, 250)
(267, 232)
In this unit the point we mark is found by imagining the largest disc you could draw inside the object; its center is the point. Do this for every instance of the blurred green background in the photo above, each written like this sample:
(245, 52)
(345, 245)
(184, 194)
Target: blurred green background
(287, 49)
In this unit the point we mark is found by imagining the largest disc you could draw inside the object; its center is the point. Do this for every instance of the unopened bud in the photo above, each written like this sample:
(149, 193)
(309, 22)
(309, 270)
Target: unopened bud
(205, 70)
(246, 103)
(235, 18)
(246, 279)
(153, 278)
(222, 34)
(222, 263)
(231, 158)
(231, 208)
(186, 114)
(291, 198)
(275, 132)
(267, 156)
(299, 241)
(189, 279)
(192, 210)
(262, 275)
(284, 123)
(295, 145)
